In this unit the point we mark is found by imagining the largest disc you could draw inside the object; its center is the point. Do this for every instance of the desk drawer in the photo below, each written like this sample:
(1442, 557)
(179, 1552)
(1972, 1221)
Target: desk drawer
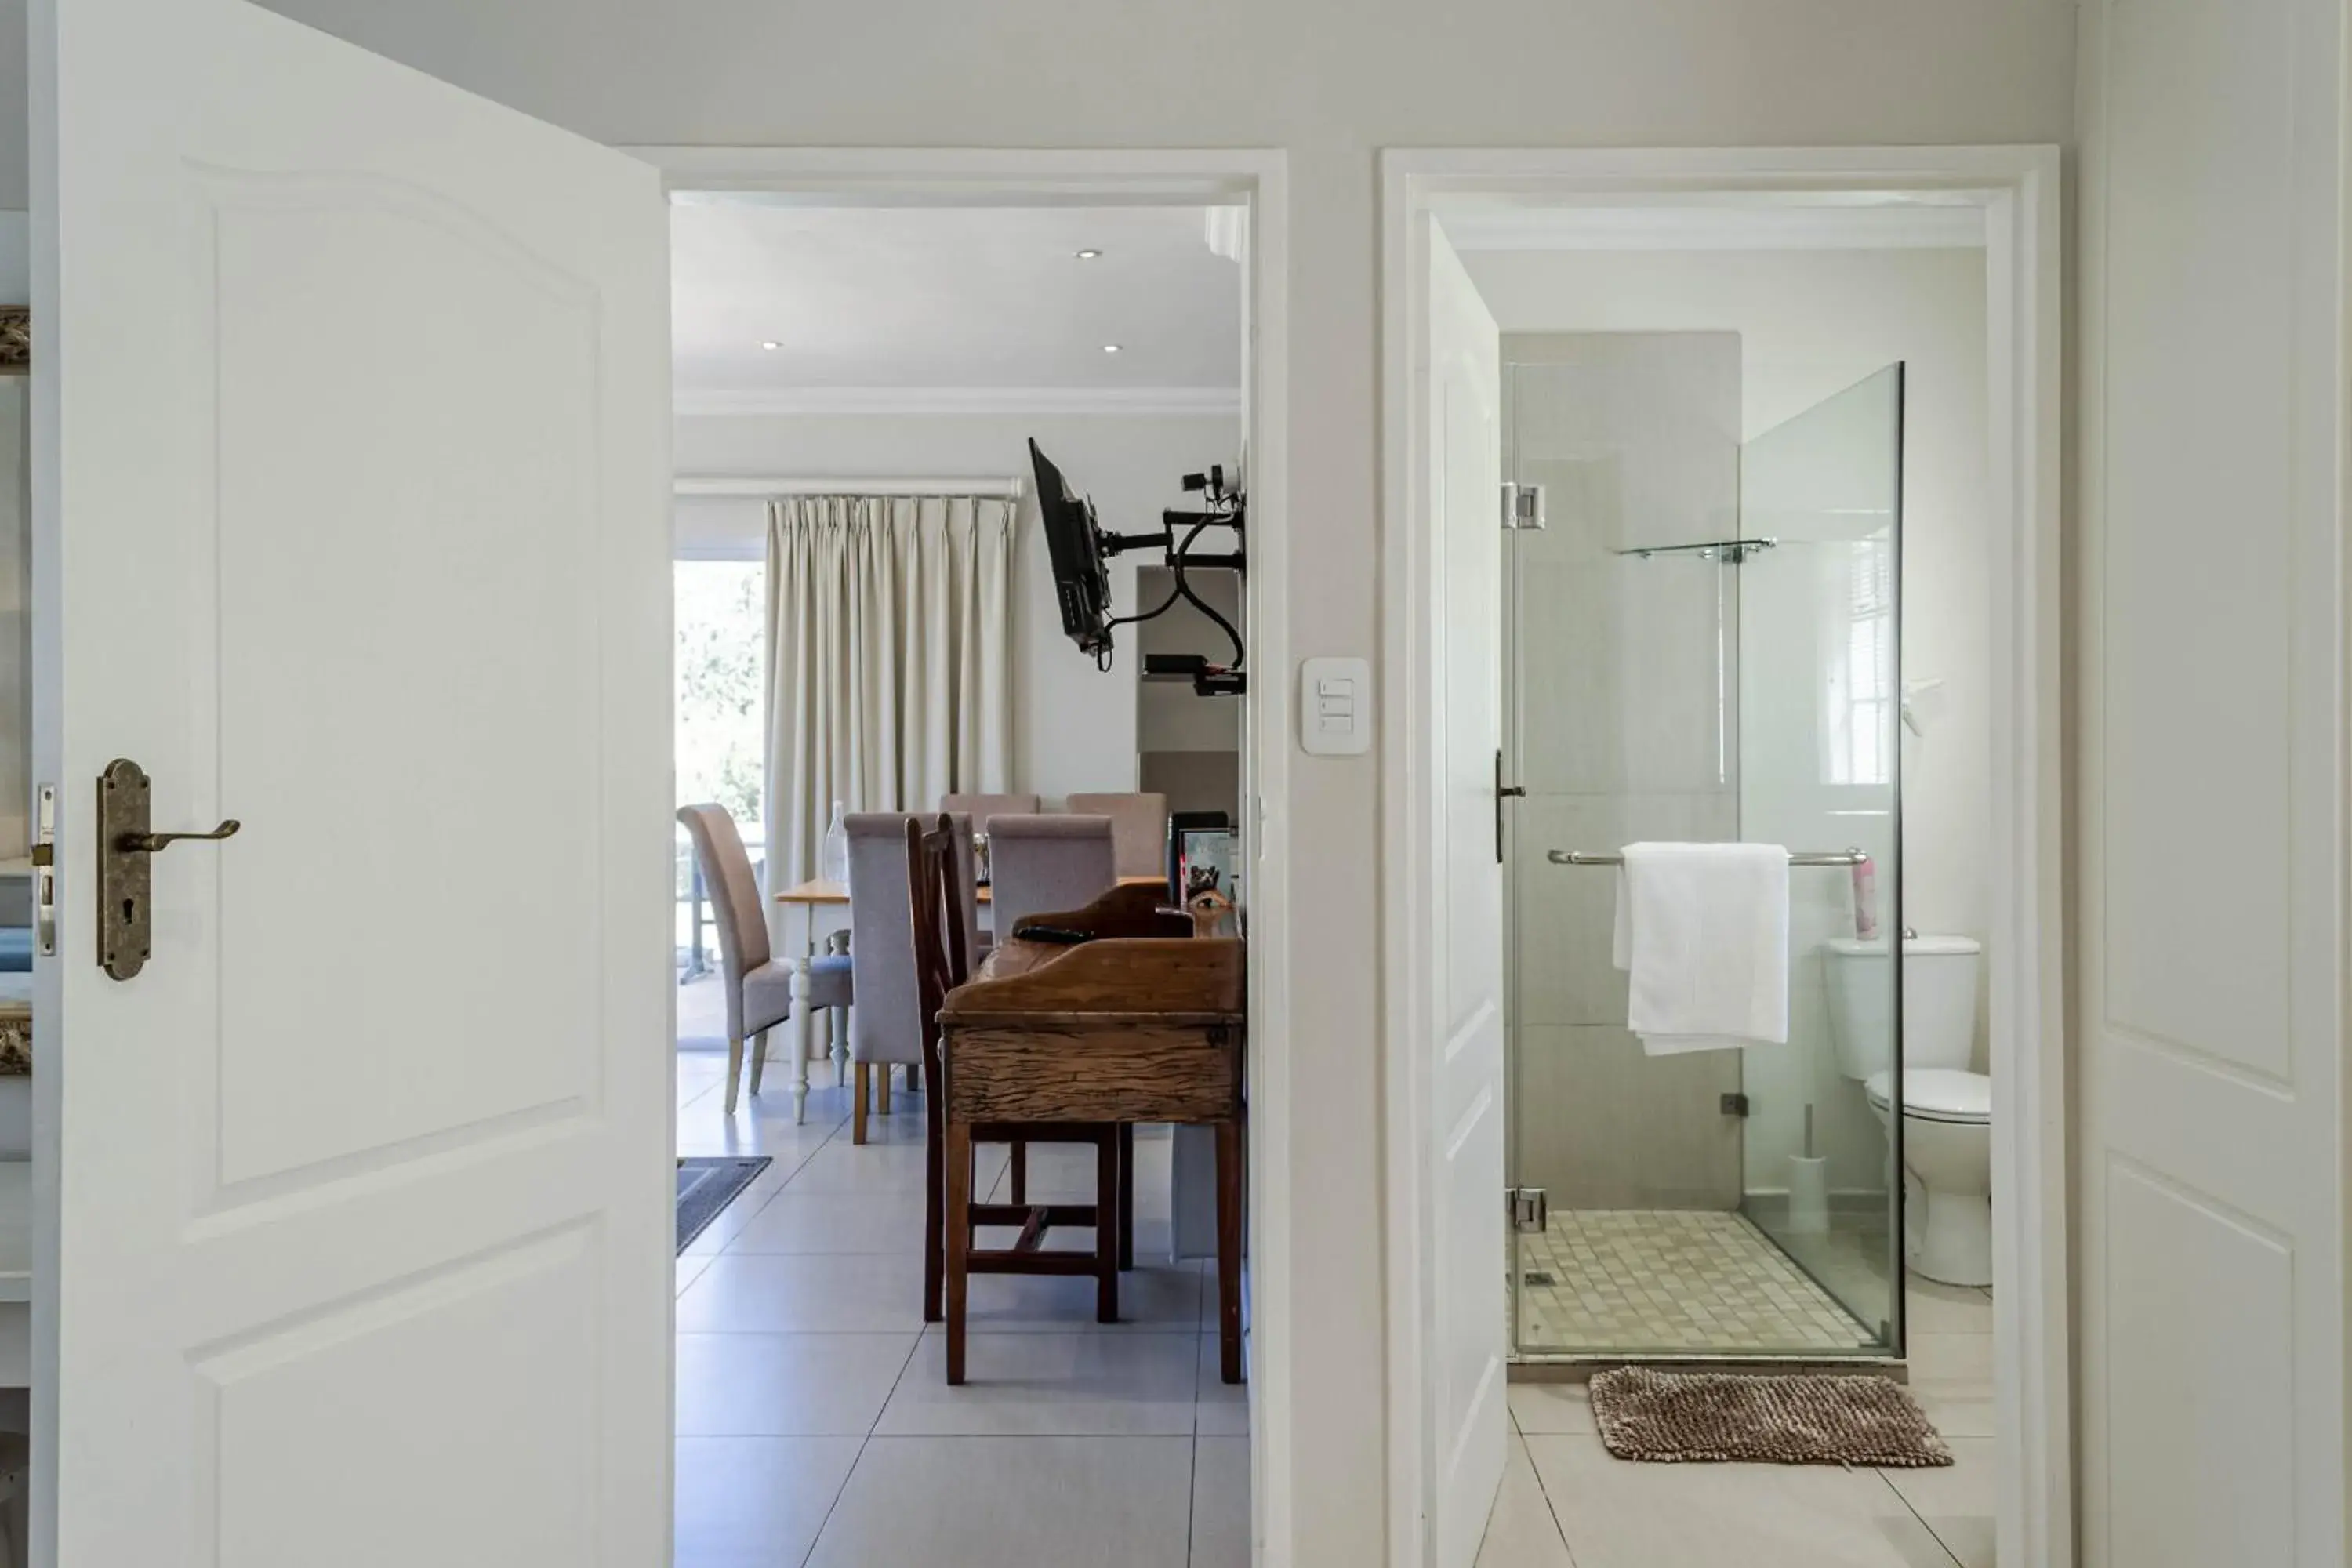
(1137, 1073)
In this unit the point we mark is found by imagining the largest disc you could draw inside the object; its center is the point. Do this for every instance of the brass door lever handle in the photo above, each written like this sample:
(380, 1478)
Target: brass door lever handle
(151, 843)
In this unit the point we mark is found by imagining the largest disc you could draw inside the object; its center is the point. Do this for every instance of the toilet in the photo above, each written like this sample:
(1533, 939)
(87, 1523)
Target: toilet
(1947, 1108)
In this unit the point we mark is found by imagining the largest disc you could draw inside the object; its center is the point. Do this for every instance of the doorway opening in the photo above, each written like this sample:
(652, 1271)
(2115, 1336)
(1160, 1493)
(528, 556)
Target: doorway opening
(1766, 519)
(862, 365)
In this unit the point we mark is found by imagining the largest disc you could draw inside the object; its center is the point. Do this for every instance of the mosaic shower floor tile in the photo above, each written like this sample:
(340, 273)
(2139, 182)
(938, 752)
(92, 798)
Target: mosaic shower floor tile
(1672, 1282)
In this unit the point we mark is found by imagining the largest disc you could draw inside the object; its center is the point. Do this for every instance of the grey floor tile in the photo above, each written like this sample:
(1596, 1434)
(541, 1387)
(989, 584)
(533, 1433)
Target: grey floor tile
(1617, 1514)
(1013, 1502)
(1957, 1503)
(1220, 1503)
(841, 1293)
(1224, 1406)
(1043, 1385)
(1551, 1409)
(1159, 1299)
(1521, 1531)
(775, 1385)
(812, 1222)
(756, 1502)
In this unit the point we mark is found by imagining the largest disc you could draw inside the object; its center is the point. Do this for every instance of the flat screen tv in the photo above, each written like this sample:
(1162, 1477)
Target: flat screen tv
(1081, 581)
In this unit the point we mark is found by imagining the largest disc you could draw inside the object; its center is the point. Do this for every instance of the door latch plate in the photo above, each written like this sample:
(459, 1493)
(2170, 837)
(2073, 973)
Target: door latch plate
(125, 875)
(44, 871)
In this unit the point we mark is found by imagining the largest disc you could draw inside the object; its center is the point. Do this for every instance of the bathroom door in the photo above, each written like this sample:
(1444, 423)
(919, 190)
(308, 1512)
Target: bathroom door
(351, 522)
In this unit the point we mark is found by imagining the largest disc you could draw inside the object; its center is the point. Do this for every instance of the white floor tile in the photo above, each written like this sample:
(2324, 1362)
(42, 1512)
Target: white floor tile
(842, 1166)
(774, 1386)
(1162, 1300)
(1958, 1410)
(1220, 1503)
(1958, 1503)
(1521, 1531)
(1224, 1407)
(1551, 1409)
(1013, 1502)
(837, 1293)
(799, 1221)
(1934, 1308)
(1937, 1358)
(1618, 1514)
(756, 1502)
(1047, 1386)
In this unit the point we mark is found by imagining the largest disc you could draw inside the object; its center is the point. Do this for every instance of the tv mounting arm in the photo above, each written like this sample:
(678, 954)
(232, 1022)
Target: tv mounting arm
(1225, 509)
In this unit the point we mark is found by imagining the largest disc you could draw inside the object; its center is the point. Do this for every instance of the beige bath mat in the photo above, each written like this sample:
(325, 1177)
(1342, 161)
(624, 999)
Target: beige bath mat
(1678, 1417)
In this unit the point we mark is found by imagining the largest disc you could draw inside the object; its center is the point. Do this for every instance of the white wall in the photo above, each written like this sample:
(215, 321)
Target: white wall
(1329, 81)
(1074, 727)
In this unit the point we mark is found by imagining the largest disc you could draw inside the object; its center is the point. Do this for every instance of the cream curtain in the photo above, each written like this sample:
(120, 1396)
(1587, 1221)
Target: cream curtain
(889, 661)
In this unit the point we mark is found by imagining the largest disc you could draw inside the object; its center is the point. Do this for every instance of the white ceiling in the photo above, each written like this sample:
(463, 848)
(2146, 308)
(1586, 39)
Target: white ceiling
(947, 309)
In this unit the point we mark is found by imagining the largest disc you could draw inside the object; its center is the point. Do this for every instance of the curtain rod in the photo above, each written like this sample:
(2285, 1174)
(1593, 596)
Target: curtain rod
(780, 485)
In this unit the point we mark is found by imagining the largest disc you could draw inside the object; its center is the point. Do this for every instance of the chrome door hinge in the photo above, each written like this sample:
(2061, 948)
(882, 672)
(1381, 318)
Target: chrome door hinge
(1523, 505)
(1529, 1209)
(44, 871)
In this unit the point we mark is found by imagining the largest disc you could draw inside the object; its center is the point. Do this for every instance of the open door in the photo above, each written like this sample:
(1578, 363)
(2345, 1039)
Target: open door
(351, 500)
(2211, 811)
(1460, 389)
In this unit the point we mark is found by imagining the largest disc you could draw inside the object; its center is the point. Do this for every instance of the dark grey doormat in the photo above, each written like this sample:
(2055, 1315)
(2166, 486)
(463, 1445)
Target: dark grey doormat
(1667, 1417)
(706, 1186)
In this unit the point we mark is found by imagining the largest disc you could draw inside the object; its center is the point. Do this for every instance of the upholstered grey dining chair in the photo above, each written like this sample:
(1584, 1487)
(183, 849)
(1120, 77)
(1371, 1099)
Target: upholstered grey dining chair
(981, 807)
(886, 1029)
(1138, 829)
(758, 988)
(1047, 865)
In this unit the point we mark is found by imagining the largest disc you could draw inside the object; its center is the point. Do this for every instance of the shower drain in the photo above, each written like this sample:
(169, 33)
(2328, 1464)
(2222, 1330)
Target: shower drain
(1538, 1277)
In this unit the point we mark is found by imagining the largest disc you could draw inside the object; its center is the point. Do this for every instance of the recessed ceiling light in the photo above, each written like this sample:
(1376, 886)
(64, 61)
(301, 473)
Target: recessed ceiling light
(770, 344)
(1090, 255)
(1111, 348)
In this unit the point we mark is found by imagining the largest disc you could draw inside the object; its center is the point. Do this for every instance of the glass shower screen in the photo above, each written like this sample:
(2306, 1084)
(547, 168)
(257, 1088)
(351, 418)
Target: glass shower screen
(1700, 645)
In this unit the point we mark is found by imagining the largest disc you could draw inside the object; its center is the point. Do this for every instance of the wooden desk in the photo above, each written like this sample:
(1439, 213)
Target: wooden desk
(809, 897)
(1122, 1029)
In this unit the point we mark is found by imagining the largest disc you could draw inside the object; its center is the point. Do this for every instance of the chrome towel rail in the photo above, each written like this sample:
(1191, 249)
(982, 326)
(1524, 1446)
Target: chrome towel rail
(1795, 857)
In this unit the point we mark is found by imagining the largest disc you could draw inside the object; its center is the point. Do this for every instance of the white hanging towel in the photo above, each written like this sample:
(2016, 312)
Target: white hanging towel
(1703, 935)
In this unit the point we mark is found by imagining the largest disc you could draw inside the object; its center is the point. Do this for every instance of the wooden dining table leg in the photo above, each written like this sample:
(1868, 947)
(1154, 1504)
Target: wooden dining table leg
(1106, 1228)
(1231, 1195)
(959, 1223)
(1127, 1194)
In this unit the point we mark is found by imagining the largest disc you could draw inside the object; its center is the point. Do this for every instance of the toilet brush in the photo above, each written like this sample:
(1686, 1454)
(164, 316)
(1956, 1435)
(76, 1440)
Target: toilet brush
(1809, 1187)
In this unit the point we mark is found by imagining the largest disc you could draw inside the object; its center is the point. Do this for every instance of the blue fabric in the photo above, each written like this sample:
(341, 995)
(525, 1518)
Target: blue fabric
(16, 950)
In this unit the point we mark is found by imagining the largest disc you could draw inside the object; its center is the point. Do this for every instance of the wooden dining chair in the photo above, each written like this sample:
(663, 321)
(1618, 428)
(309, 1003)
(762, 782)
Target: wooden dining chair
(951, 1221)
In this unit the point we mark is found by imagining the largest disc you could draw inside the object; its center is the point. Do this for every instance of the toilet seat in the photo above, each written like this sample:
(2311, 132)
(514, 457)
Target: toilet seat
(1936, 1094)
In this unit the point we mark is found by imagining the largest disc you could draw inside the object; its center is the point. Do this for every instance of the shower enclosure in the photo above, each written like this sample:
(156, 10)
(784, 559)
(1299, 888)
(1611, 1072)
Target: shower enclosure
(1701, 644)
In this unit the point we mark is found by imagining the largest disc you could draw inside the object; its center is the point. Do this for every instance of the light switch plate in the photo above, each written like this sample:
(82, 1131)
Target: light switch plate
(1335, 706)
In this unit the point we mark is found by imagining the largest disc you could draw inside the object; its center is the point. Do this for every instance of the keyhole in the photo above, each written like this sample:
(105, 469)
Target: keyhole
(129, 910)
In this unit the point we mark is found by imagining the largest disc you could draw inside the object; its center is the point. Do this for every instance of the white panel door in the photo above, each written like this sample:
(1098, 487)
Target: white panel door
(2212, 807)
(352, 489)
(1461, 384)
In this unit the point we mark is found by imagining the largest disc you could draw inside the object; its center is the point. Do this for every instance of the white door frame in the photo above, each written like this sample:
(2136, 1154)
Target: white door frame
(2018, 190)
(959, 177)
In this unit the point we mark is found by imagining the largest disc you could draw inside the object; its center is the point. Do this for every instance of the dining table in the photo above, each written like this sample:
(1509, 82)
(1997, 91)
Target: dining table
(817, 899)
